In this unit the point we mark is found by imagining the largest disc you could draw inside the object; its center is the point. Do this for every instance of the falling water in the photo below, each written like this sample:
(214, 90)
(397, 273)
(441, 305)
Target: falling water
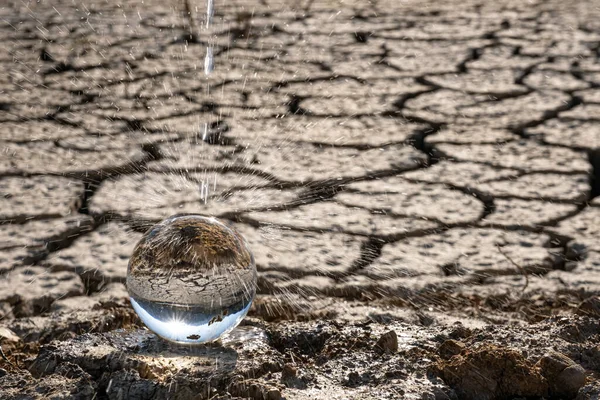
(205, 134)
(210, 11)
(204, 191)
(209, 64)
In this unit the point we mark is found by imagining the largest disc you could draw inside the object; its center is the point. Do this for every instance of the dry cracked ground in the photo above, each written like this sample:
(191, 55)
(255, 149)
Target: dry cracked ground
(419, 182)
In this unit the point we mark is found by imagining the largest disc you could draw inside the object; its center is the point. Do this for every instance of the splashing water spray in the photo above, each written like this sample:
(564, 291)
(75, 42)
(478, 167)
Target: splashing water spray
(191, 279)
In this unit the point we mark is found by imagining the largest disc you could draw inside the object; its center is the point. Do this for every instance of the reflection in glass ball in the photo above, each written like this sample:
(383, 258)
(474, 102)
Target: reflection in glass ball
(191, 279)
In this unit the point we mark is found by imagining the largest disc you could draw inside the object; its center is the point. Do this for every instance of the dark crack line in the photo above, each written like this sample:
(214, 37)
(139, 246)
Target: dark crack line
(594, 158)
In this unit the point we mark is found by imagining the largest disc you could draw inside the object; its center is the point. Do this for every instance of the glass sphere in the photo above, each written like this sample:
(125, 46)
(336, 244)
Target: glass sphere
(191, 279)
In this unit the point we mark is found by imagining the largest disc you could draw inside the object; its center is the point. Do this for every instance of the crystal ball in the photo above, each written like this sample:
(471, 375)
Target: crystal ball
(191, 279)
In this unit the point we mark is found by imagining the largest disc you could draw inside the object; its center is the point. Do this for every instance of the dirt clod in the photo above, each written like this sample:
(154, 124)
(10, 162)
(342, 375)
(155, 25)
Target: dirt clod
(590, 306)
(291, 378)
(493, 373)
(388, 342)
(565, 377)
(254, 389)
(450, 348)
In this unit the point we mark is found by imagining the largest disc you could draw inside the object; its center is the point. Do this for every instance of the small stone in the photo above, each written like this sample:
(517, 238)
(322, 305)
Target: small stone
(290, 377)
(459, 331)
(254, 390)
(565, 376)
(450, 348)
(6, 335)
(354, 379)
(388, 342)
(273, 394)
(590, 306)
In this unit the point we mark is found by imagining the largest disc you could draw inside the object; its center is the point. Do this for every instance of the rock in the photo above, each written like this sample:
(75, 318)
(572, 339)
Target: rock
(353, 88)
(273, 394)
(348, 106)
(26, 243)
(290, 377)
(450, 348)
(459, 331)
(438, 393)
(129, 384)
(590, 306)
(109, 143)
(504, 55)
(113, 295)
(388, 342)
(565, 377)
(8, 336)
(590, 391)
(492, 372)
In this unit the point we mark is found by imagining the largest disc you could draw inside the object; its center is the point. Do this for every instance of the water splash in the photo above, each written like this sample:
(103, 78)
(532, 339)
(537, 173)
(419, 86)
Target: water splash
(204, 191)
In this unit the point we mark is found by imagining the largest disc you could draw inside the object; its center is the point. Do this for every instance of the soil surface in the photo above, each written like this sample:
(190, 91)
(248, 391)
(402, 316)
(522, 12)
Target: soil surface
(419, 182)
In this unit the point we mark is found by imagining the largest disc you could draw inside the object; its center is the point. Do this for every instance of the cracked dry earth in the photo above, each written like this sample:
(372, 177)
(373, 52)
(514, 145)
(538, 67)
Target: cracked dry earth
(418, 181)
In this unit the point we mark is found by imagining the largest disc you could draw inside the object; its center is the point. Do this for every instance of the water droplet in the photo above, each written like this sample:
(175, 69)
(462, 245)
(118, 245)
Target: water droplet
(191, 279)
(205, 134)
(209, 62)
